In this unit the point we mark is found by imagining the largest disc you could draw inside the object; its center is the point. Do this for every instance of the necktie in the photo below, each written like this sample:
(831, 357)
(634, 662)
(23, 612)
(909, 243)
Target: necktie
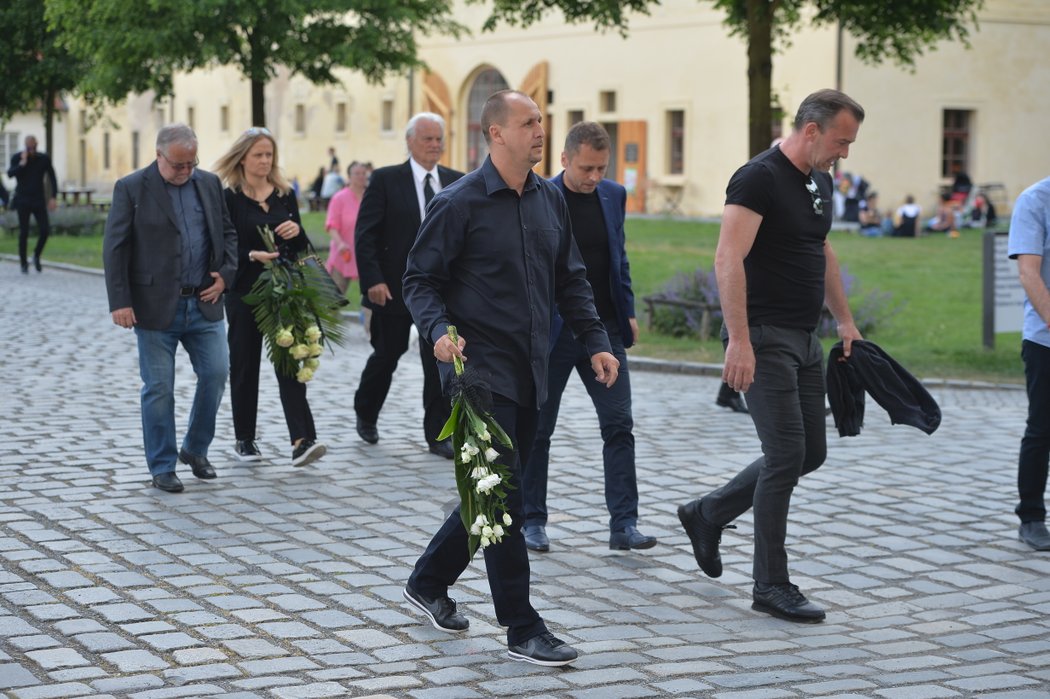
(428, 191)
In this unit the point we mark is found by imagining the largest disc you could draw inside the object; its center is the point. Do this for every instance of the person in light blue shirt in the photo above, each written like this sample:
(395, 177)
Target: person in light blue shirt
(1029, 244)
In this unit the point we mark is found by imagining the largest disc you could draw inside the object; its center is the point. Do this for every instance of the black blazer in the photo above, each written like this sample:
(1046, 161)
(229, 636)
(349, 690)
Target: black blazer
(387, 224)
(141, 251)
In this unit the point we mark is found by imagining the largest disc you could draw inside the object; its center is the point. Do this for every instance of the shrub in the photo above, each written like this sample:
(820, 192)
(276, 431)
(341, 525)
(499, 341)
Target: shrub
(871, 310)
(65, 220)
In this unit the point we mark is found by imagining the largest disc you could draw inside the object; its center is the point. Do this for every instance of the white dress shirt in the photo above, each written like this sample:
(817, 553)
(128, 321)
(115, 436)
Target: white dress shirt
(419, 177)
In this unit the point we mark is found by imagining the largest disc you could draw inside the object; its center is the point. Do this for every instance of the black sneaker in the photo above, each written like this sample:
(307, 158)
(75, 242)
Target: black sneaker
(545, 649)
(245, 450)
(307, 452)
(441, 611)
(785, 601)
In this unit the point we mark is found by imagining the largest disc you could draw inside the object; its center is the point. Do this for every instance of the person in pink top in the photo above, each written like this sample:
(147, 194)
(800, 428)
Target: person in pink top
(340, 222)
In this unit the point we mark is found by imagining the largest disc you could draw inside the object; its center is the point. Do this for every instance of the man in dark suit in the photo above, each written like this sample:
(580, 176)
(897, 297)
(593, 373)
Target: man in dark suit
(596, 209)
(391, 211)
(494, 256)
(170, 251)
(34, 173)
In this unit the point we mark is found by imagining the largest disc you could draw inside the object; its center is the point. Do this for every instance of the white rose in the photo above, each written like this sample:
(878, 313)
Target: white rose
(305, 374)
(485, 436)
(316, 350)
(491, 455)
(497, 532)
(312, 363)
(506, 519)
(475, 530)
(284, 338)
(484, 542)
(312, 333)
(481, 521)
(479, 472)
(299, 351)
(488, 483)
(487, 532)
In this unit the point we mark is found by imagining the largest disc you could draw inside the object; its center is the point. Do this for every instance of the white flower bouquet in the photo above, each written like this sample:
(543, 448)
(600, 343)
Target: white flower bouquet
(481, 478)
(294, 313)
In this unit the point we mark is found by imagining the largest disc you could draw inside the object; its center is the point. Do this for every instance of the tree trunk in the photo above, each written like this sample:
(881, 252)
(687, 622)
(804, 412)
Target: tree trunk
(760, 74)
(258, 103)
(49, 122)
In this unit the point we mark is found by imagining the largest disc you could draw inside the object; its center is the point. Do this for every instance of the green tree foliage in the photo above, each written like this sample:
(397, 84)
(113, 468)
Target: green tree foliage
(138, 45)
(37, 70)
(899, 30)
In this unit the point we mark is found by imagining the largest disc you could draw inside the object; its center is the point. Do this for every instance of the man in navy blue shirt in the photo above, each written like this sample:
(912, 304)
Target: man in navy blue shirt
(494, 255)
(31, 168)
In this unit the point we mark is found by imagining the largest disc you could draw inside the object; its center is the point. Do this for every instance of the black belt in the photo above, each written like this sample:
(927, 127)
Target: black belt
(188, 291)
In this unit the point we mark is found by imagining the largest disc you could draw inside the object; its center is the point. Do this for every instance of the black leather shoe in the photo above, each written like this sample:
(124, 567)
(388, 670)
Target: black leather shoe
(200, 465)
(728, 398)
(1035, 535)
(168, 482)
(25, 268)
(705, 537)
(246, 450)
(536, 537)
(367, 431)
(784, 601)
(630, 538)
(544, 649)
(442, 448)
(36, 264)
(441, 611)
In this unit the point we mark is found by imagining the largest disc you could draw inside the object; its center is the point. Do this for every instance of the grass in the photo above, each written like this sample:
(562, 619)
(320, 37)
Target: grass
(936, 280)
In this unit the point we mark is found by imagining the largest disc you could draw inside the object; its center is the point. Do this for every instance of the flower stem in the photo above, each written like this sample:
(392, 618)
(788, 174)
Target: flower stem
(457, 361)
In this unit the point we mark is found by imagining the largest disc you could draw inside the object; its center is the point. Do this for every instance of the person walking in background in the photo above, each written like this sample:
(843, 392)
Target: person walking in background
(34, 174)
(494, 255)
(332, 183)
(391, 211)
(775, 271)
(170, 251)
(257, 195)
(340, 222)
(596, 211)
(1029, 244)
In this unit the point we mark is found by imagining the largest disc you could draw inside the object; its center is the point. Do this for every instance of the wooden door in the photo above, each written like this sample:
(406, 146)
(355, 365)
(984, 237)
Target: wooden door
(630, 162)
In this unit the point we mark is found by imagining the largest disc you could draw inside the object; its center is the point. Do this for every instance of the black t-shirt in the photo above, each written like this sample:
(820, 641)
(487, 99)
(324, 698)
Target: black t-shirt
(785, 267)
(588, 229)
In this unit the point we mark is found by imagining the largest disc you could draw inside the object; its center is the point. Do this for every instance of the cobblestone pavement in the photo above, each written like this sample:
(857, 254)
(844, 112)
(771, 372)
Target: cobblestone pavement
(280, 582)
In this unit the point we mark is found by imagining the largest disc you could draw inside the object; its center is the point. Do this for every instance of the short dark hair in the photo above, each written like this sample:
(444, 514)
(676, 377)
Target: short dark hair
(823, 106)
(495, 110)
(587, 133)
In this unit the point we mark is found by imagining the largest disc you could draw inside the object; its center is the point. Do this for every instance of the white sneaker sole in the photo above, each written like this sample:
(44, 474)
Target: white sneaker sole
(310, 455)
(428, 615)
(247, 459)
(546, 663)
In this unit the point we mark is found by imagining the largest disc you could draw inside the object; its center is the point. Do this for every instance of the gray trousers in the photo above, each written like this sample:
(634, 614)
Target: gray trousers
(787, 406)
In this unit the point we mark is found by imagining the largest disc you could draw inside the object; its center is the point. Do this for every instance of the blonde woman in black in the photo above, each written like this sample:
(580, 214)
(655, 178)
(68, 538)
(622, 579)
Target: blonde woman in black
(258, 195)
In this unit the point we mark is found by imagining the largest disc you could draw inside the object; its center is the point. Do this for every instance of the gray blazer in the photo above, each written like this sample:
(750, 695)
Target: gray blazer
(141, 251)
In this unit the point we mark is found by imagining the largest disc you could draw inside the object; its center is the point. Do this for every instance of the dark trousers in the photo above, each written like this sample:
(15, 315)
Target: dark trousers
(245, 360)
(507, 563)
(42, 221)
(787, 406)
(389, 337)
(1035, 445)
(613, 406)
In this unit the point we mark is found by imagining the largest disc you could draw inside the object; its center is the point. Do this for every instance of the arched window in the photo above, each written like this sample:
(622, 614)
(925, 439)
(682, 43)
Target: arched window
(487, 82)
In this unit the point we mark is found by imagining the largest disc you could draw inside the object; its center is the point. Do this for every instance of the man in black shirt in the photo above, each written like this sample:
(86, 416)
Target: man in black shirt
(494, 254)
(596, 210)
(30, 168)
(775, 271)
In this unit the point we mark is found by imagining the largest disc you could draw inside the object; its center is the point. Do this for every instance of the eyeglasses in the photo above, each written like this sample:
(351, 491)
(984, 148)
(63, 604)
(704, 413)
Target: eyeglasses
(814, 193)
(258, 131)
(179, 167)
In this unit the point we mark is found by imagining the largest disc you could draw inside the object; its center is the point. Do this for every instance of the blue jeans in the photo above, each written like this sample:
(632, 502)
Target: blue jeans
(205, 343)
(1035, 445)
(613, 406)
(787, 406)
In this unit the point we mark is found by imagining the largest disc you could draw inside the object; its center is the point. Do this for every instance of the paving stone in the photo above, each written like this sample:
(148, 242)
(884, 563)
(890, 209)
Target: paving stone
(15, 675)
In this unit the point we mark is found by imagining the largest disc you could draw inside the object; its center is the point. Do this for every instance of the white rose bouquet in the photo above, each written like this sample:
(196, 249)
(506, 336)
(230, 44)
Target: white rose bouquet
(294, 312)
(482, 480)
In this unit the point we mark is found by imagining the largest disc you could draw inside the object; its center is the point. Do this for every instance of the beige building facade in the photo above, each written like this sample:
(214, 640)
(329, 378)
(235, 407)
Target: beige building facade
(673, 94)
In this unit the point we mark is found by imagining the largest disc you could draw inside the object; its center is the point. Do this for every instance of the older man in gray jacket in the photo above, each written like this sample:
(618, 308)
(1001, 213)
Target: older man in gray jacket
(170, 251)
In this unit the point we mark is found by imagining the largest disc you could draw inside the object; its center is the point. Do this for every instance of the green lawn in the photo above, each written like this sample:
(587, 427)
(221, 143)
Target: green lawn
(936, 280)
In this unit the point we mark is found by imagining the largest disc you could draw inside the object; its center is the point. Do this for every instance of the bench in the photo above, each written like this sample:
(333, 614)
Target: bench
(706, 309)
(317, 203)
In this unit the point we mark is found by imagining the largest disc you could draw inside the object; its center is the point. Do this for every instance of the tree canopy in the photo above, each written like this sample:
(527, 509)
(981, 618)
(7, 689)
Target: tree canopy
(135, 46)
(898, 30)
(37, 69)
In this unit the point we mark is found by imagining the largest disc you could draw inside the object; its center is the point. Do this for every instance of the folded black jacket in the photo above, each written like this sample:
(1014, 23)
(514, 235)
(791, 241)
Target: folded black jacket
(869, 368)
